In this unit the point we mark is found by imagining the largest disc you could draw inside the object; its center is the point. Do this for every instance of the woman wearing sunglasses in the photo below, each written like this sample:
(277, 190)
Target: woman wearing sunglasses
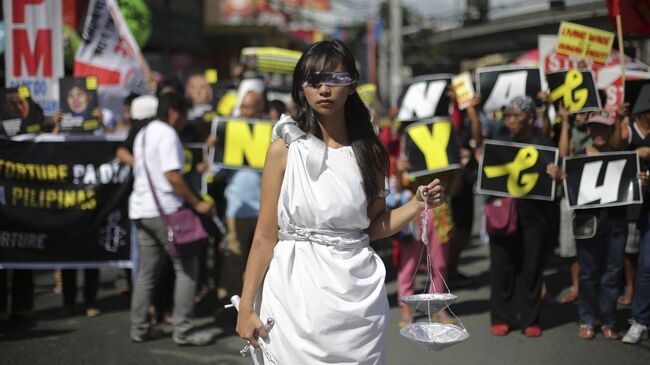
(311, 268)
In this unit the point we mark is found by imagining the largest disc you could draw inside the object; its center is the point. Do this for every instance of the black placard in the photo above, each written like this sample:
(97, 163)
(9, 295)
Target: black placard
(603, 180)
(575, 89)
(78, 99)
(498, 85)
(516, 170)
(637, 93)
(424, 98)
(431, 146)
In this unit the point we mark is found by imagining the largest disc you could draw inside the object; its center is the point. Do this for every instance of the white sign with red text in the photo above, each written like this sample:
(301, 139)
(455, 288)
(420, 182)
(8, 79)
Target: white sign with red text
(611, 80)
(34, 49)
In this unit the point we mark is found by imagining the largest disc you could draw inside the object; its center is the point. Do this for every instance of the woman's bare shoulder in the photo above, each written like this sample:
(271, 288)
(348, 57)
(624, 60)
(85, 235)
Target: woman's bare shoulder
(277, 153)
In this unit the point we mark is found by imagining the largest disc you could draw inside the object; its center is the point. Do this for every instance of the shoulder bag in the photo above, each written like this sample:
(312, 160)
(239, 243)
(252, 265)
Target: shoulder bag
(185, 233)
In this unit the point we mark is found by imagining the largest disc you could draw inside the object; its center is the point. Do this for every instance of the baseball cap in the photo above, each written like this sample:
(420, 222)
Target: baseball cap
(144, 107)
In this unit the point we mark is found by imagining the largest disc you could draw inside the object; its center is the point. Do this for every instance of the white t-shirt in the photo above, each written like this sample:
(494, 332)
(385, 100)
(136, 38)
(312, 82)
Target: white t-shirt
(164, 153)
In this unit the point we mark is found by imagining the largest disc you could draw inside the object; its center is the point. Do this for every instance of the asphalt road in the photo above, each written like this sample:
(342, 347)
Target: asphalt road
(52, 339)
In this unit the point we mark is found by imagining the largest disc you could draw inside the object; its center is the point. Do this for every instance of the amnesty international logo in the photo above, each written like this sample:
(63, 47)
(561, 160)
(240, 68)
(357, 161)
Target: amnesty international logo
(112, 236)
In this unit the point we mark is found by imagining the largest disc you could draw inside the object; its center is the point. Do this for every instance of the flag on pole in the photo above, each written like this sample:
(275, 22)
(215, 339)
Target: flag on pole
(109, 51)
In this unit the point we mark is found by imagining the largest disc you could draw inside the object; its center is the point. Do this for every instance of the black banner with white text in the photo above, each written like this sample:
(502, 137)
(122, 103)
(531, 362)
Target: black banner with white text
(498, 85)
(63, 204)
(516, 170)
(425, 97)
(603, 180)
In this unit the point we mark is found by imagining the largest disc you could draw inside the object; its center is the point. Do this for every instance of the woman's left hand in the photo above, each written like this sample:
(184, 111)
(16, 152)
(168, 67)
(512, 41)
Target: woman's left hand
(643, 177)
(555, 172)
(430, 196)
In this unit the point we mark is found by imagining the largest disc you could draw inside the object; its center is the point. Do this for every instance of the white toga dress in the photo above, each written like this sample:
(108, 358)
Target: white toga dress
(325, 286)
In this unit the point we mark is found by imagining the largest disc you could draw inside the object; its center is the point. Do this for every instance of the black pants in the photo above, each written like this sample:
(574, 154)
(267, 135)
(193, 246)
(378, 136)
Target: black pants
(91, 286)
(22, 290)
(516, 269)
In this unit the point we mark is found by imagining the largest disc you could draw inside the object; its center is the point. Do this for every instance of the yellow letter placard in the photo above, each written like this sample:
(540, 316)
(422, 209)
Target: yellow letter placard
(242, 142)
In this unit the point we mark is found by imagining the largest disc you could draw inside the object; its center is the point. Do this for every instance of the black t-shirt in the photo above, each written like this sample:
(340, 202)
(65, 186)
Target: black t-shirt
(136, 125)
(34, 123)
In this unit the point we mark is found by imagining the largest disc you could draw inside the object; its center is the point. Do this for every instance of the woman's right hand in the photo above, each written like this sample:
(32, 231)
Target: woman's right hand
(250, 326)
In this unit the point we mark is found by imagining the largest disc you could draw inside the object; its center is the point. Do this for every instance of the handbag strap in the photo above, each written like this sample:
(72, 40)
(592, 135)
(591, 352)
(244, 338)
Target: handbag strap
(149, 179)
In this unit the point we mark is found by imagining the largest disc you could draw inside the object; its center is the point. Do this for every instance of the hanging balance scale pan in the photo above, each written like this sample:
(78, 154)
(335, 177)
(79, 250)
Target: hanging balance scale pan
(429, 303)
(434, 336)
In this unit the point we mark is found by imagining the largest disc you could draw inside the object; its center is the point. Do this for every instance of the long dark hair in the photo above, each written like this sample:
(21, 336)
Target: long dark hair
(370, 153)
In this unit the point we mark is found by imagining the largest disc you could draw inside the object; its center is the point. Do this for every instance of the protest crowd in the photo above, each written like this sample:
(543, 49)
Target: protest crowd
(558, 168)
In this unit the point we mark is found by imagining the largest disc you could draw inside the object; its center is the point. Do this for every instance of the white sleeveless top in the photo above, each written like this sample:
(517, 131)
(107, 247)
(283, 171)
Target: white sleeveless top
(325, 285)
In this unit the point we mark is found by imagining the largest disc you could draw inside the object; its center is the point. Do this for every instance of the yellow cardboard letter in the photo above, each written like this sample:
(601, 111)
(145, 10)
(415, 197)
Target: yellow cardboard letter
(432, 144)
(526, 158)
(240, 141)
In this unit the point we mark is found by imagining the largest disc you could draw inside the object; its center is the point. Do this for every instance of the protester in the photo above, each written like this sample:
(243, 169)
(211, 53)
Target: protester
(22, 295)
(200, 94)
(635, 137)
(322, 202)
(20, 115)
(462, 203)
(123, 125)
(141, 110)
(573, 139)
(90, 290)
(163, 154)
(243, 205)
(516, 261)
(276, 109)
(600, 254)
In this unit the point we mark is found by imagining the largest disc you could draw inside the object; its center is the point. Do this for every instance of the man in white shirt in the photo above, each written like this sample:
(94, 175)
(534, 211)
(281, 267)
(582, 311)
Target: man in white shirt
(159, 145)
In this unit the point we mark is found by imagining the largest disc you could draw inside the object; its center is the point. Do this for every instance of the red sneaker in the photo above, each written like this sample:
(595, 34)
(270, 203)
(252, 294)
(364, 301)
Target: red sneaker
(533, 331)
(500, 329)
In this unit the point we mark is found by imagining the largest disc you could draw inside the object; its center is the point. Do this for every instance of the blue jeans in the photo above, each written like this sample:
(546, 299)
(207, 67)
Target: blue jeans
(641, 299)
(601, 268)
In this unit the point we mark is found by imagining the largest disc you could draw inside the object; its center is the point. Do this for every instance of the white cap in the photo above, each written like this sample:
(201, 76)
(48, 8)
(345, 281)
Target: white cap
(144, 107)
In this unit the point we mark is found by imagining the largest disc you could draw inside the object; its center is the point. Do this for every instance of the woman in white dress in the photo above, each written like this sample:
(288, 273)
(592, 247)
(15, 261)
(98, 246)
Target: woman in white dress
(310, 267)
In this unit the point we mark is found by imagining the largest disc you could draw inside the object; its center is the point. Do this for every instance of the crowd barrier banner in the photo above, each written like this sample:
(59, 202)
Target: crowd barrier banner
(431, 146)
(425, 97)
(575, 89)
(498, 85)
(241, 143)
(63, 204)
(34, 49)
(516, 170)
(603, 180)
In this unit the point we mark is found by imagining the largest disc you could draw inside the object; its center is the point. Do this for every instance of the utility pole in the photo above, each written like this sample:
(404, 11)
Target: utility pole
(395, 51)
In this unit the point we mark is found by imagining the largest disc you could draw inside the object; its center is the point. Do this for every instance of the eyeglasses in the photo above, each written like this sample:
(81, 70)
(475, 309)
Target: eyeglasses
(317, 79)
